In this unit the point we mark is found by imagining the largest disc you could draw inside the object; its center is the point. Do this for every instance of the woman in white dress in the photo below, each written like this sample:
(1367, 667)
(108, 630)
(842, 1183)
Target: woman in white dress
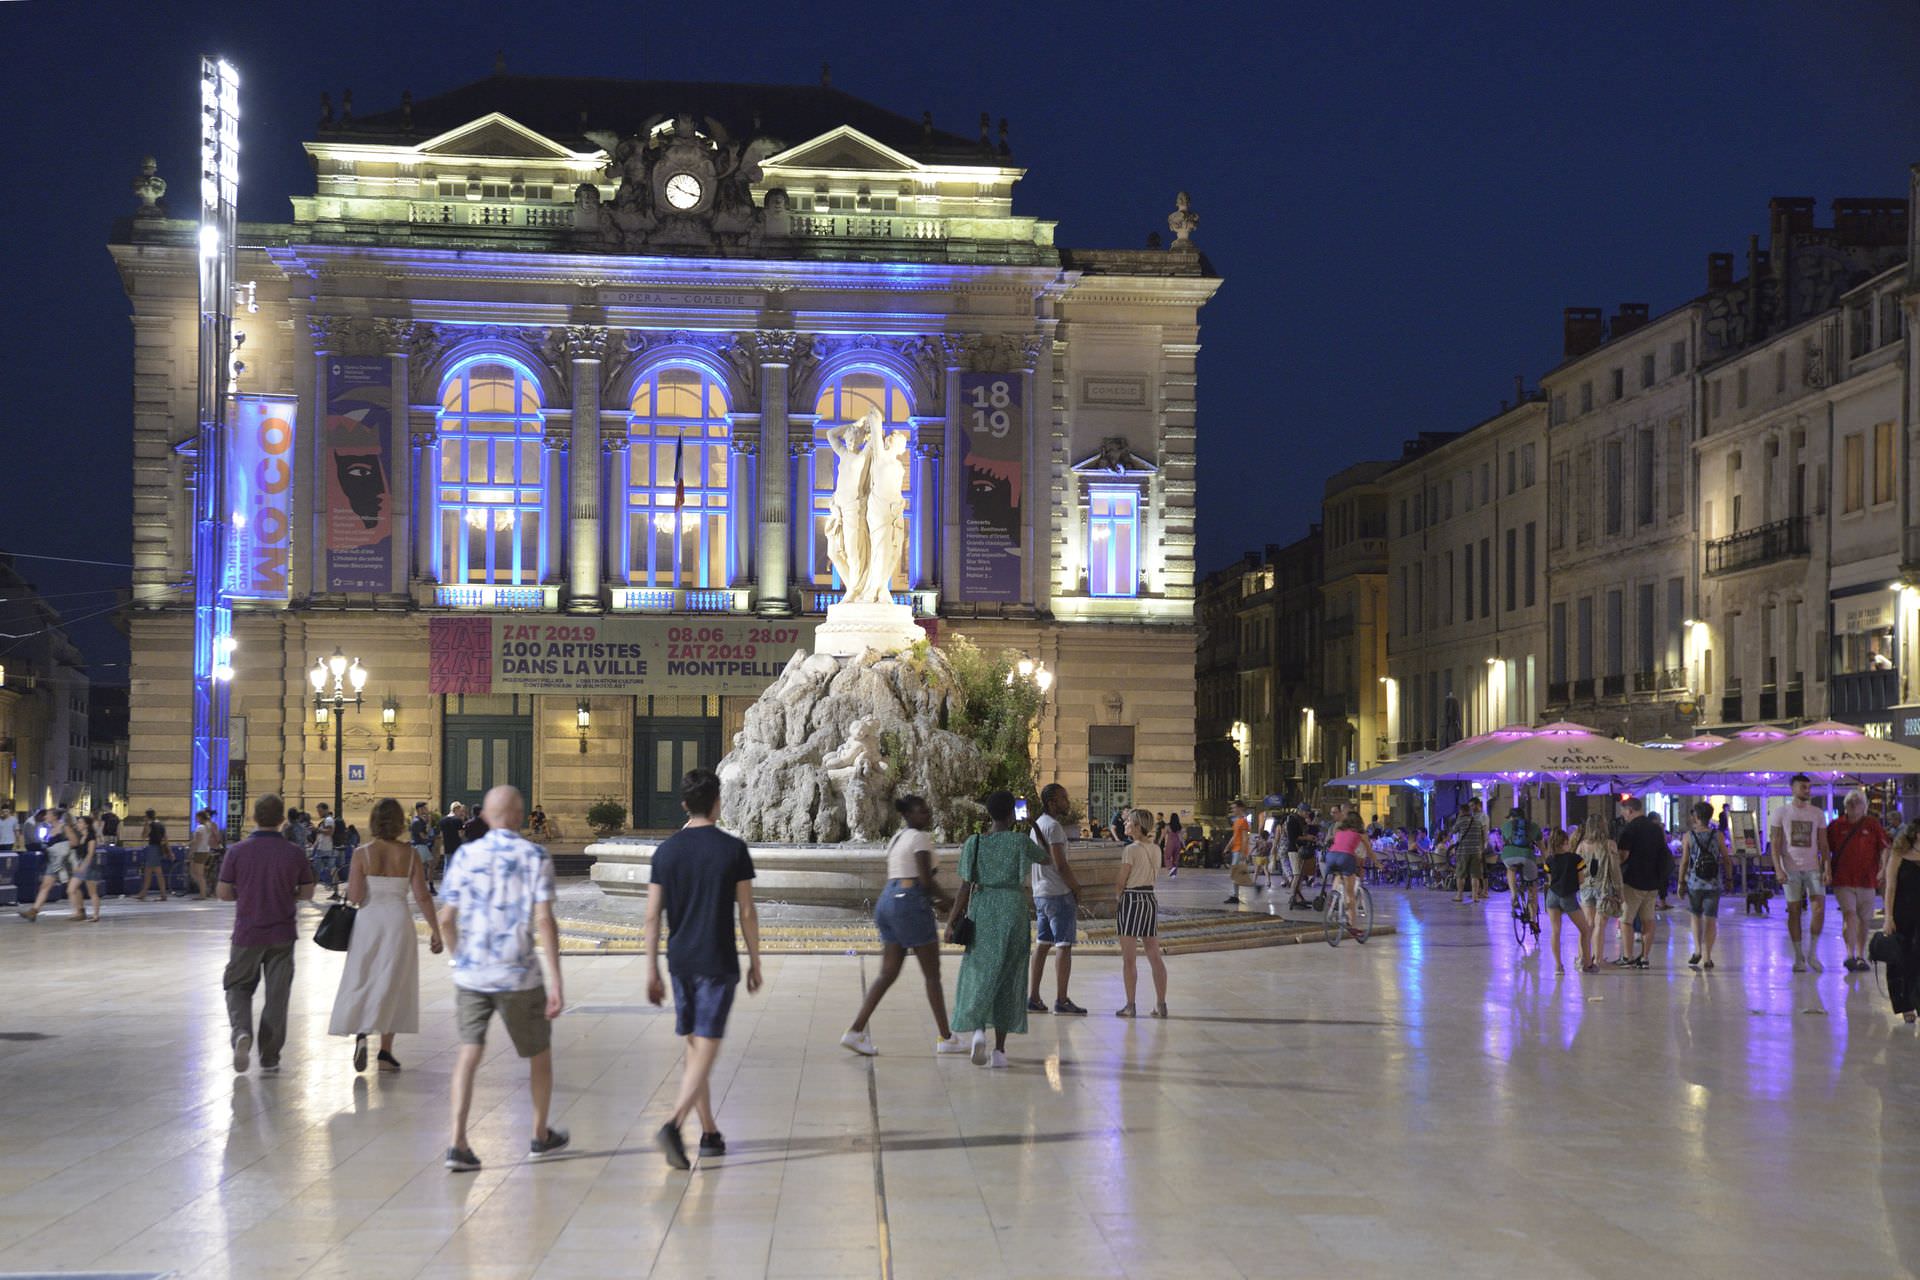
(380, 986)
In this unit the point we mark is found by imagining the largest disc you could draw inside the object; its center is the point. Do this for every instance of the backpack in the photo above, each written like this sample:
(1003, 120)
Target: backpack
(1706, 859)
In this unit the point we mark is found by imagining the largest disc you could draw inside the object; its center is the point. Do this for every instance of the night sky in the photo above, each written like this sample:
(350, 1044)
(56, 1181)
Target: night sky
(1401, 196)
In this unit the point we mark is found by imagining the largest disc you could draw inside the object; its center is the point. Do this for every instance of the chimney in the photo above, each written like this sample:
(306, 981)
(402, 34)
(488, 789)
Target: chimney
(1869, 222)
(1791, 215)
(1630, 316)
(1583, 329)
(1519, 389)
(1719, 271)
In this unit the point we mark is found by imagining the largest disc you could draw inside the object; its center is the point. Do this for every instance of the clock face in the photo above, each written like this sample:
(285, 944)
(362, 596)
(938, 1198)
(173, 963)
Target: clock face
(683, 191)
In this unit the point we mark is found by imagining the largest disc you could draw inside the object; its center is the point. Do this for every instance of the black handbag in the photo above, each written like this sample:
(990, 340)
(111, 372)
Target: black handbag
(963, 926)
(335, 930)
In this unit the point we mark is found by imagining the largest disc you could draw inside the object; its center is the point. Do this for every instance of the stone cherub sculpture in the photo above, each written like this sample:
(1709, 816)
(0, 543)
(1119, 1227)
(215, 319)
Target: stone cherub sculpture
(858, 770)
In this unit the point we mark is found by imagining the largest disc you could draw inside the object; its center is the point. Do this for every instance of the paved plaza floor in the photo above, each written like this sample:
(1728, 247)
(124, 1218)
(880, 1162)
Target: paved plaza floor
(1427, 1104)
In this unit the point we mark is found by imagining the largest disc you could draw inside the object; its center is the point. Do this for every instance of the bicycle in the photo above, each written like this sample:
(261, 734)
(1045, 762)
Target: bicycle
(1336, 912)
(1526, 921)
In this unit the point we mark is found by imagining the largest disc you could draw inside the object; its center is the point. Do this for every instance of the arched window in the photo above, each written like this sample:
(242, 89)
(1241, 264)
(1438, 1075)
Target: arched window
(846, 399)
(492, 475)
(677, 481)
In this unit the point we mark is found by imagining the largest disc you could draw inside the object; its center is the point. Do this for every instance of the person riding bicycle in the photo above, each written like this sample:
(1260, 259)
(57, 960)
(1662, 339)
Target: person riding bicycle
(1347, 853)
(1519, 851)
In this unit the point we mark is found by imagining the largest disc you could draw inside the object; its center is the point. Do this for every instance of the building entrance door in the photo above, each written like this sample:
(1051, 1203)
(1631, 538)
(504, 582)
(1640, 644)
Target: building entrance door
(664, 748)
(480, 752)
(1109, 786)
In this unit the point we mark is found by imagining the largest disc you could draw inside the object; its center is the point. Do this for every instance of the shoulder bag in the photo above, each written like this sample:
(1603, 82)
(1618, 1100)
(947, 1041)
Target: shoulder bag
(963, 926)
(335, 930)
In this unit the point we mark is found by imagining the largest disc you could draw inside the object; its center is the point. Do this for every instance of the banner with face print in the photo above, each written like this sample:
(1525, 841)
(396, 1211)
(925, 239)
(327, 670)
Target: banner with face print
(992, 476)
(357, 457)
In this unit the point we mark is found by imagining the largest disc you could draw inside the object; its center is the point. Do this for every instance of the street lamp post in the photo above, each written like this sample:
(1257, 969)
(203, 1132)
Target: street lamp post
(342, 671)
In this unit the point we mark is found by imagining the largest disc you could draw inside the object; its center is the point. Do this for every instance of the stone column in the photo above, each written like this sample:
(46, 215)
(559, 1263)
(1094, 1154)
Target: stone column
(586, 347)
(926, 520)
(426, 471)
(555, 551)
(742, 509)
(778, 352)
(613, 451)
(400, 484)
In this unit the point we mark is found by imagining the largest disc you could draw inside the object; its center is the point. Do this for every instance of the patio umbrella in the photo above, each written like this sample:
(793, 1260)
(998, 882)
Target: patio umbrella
(1829, 751)
(1562, 752)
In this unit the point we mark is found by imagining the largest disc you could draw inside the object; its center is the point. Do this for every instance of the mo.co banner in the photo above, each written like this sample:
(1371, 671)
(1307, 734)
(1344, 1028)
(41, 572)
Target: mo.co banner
(357, 454)
(259, 499)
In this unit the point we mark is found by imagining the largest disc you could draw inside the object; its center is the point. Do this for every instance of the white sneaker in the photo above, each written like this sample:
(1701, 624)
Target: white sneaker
(859, 1042)
(979, 1049)
(952, 1044)
(242, 1050)
(999, 1059)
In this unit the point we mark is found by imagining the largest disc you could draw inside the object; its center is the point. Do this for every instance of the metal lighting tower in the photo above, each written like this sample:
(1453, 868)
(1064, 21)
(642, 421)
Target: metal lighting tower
(212, 615)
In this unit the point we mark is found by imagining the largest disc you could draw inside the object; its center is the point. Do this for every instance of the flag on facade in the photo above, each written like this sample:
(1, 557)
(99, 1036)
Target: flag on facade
(679, 477)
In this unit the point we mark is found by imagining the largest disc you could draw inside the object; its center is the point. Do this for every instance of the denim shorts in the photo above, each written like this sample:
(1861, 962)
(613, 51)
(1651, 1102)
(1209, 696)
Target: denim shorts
(1565, 902)
(150, 857)
(1343, 864)
(1803, 884)
(1703, 901)
(701, 1005)
(904, 917)
(1522, 868)
(1058, 917)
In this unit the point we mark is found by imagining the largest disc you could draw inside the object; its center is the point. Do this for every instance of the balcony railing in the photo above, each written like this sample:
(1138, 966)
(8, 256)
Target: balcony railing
(1558, 690)
(681, 599)
(1781, 540)
(925, 604)
(1796, 702)
(1646, 681)
(454, 213)
(1583, 689)
(1731, 709)
(1859, 693)
(1769, 702)
(1613, 686)
(1673, 678)
(488, 596)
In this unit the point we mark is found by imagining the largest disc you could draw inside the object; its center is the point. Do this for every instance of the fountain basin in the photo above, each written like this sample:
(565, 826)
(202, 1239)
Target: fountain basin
(832, 881)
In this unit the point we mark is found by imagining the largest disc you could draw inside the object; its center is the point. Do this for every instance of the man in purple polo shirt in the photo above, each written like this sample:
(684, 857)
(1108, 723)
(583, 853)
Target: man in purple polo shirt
(264, 875)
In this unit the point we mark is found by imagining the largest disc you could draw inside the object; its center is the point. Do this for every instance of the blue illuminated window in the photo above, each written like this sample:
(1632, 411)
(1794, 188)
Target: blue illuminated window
(847, 399)
(493, 477)
(1113, 540)
(675, 530)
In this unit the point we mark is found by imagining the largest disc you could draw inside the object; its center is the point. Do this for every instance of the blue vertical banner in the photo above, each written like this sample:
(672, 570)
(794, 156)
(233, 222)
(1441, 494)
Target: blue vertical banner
(358, 458)
(992, 475)
(259, 495)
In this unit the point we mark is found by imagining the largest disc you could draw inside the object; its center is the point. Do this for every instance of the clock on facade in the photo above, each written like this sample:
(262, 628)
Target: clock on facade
(683, 191)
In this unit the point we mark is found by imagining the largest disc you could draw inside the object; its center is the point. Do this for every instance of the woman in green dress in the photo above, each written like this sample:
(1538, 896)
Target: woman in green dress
(993, 890)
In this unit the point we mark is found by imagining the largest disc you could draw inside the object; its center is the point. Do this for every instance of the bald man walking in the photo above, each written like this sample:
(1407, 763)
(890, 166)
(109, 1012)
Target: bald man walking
(493, 902)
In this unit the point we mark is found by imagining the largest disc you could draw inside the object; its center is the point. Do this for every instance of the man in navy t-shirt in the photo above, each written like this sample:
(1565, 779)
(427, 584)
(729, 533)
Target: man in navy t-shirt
(698, 875)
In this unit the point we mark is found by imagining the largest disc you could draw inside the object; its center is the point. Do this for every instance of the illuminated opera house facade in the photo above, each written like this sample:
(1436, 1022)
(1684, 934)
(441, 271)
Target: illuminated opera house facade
(529, 415)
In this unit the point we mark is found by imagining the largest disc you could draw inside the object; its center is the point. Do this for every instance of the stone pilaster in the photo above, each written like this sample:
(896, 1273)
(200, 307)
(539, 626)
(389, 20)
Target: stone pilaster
(776, 352)
(586, 347)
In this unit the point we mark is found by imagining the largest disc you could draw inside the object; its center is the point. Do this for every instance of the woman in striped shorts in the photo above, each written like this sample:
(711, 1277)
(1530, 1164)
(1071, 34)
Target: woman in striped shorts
(1137, 917)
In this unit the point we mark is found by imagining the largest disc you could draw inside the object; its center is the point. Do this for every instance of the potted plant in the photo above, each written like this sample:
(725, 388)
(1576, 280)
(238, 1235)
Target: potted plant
(607, 817)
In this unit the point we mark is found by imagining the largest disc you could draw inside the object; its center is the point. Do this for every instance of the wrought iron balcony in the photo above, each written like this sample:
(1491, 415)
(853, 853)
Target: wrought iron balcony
(1731, 709)
(1796, 701)
(1769, 702)
(1557, 691)
(1583, 690)
(1645, 681)
(1859, 693)
(1781, 540)
(1613, 686)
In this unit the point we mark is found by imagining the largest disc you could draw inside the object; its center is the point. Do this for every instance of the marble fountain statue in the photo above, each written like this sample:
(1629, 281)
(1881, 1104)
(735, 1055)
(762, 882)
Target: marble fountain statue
(812, 776)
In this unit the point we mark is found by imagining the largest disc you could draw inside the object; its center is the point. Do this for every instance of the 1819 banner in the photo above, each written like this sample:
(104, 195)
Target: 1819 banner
(993, 468)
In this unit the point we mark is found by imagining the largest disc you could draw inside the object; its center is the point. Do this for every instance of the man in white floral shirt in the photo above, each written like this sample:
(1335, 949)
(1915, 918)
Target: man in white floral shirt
(492, 902)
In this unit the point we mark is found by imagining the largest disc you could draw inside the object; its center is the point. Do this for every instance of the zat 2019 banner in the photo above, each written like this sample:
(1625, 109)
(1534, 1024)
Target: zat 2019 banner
(535, 654)
(357, 454)
(993, 468)
(259, 495)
